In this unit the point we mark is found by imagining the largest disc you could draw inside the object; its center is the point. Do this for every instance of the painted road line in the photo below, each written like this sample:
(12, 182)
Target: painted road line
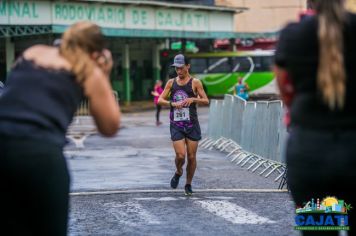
(108, 192)
(221, 198)
(166, 199)
(161, 199)
(131, 214)
(233, 213)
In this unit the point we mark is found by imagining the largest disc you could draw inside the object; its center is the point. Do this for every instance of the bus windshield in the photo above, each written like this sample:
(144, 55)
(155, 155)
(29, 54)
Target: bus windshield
(208, 65)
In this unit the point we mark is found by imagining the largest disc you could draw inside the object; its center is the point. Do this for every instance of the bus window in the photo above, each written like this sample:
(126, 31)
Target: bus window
(267, 63)
(241, 64)
(258, 63)
(263, 64)
(219, 65)
(198, 65)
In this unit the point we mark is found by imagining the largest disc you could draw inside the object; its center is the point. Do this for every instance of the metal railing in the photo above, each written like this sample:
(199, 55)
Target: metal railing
(251, 133)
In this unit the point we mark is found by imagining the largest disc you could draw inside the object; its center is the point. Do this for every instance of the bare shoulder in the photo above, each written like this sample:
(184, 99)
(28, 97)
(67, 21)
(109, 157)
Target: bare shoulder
(37, 50)
(169, 83)
(197, 82)
(47, 56)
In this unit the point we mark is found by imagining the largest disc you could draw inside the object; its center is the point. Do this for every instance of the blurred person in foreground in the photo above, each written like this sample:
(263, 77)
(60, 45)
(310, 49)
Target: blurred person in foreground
(157, 91)
(41, 95)
(316, 75)
(310, 11)
(182, 94)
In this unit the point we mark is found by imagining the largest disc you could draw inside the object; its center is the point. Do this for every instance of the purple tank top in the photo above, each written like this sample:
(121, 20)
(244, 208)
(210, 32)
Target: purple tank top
(179, 93)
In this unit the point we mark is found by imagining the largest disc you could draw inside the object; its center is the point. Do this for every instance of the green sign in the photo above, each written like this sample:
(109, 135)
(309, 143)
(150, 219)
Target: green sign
(178, 45)
(24, 12)
(19, 9)
(116, 16)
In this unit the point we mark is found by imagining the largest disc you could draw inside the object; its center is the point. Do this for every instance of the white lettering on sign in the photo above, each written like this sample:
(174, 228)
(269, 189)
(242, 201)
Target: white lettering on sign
(24, 12)
(118, 16)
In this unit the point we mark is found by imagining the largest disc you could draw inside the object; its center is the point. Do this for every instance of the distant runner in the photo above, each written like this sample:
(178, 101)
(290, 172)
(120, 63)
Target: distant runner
(241, 89)
(184, 92)
(157, 91)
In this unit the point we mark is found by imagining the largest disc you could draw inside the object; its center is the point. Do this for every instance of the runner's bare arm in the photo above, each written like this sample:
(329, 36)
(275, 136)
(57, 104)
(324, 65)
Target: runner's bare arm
(162, 100)
(202, 99)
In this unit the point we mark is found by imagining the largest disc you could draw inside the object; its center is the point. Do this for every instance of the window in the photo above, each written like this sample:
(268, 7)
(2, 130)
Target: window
(219, 65)
(231, 64)
(263, 63)
(198, 65)
(258, 63)
(241, 64)
(267, 63)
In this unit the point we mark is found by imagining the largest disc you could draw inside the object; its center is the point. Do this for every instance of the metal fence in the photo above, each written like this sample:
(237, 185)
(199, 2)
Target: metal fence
(251, 133)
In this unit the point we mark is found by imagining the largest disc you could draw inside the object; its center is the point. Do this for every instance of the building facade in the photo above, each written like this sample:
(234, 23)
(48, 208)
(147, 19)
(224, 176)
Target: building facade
(199, 2)
(268, 16)
(264, 16)
(137, 31)
(351, 5)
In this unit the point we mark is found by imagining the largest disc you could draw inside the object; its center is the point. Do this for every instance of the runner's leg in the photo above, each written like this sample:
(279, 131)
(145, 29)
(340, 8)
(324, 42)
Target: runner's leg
(179, 148)
(192, 147)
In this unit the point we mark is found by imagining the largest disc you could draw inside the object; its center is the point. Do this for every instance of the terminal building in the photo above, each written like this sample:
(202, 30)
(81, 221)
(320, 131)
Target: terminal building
(142, 32)
(137, 32)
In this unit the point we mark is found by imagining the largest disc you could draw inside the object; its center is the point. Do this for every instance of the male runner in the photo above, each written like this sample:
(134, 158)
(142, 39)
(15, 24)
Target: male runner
(184, 93)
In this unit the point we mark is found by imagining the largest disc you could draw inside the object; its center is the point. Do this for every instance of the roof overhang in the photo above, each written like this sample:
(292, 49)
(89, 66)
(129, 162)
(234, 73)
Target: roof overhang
(28, 30)
(119, 18)
(171, 5)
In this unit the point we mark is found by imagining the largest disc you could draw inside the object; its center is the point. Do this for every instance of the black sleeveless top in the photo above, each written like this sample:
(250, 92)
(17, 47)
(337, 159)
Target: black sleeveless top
(298, 52)
(179, 93)
(38, 102)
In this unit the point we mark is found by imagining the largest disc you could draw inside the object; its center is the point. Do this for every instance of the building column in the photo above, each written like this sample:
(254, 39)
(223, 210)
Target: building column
(138, 92)
(184, 45)
(233, 47)
(10, 53)
(126, 73)
(156, 62)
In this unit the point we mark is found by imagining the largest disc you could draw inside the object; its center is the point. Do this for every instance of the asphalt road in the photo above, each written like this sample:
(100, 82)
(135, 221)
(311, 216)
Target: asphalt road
(120, 186)
(207, 213)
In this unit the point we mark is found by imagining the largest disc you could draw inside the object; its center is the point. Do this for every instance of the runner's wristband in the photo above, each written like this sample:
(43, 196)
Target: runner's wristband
(170, 104)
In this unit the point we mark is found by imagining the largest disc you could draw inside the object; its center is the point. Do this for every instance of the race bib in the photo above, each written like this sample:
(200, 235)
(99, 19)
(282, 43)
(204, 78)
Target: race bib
(181, 114)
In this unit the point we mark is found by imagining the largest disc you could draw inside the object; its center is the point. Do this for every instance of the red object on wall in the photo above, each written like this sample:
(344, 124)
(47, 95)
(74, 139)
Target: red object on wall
(305, 13)
(247, 44)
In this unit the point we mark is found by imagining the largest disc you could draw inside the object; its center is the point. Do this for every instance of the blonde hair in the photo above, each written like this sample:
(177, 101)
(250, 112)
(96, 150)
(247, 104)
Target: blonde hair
(331, 77)
(78, 42)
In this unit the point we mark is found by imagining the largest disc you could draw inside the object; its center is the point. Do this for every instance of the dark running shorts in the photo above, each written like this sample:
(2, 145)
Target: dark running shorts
(192, 133)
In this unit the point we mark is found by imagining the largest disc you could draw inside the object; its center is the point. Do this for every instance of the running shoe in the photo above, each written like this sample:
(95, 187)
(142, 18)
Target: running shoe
(175, 180)
(188, 190)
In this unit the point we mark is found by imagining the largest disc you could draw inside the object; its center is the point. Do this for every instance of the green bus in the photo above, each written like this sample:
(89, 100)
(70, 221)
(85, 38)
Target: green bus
(220, 71)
